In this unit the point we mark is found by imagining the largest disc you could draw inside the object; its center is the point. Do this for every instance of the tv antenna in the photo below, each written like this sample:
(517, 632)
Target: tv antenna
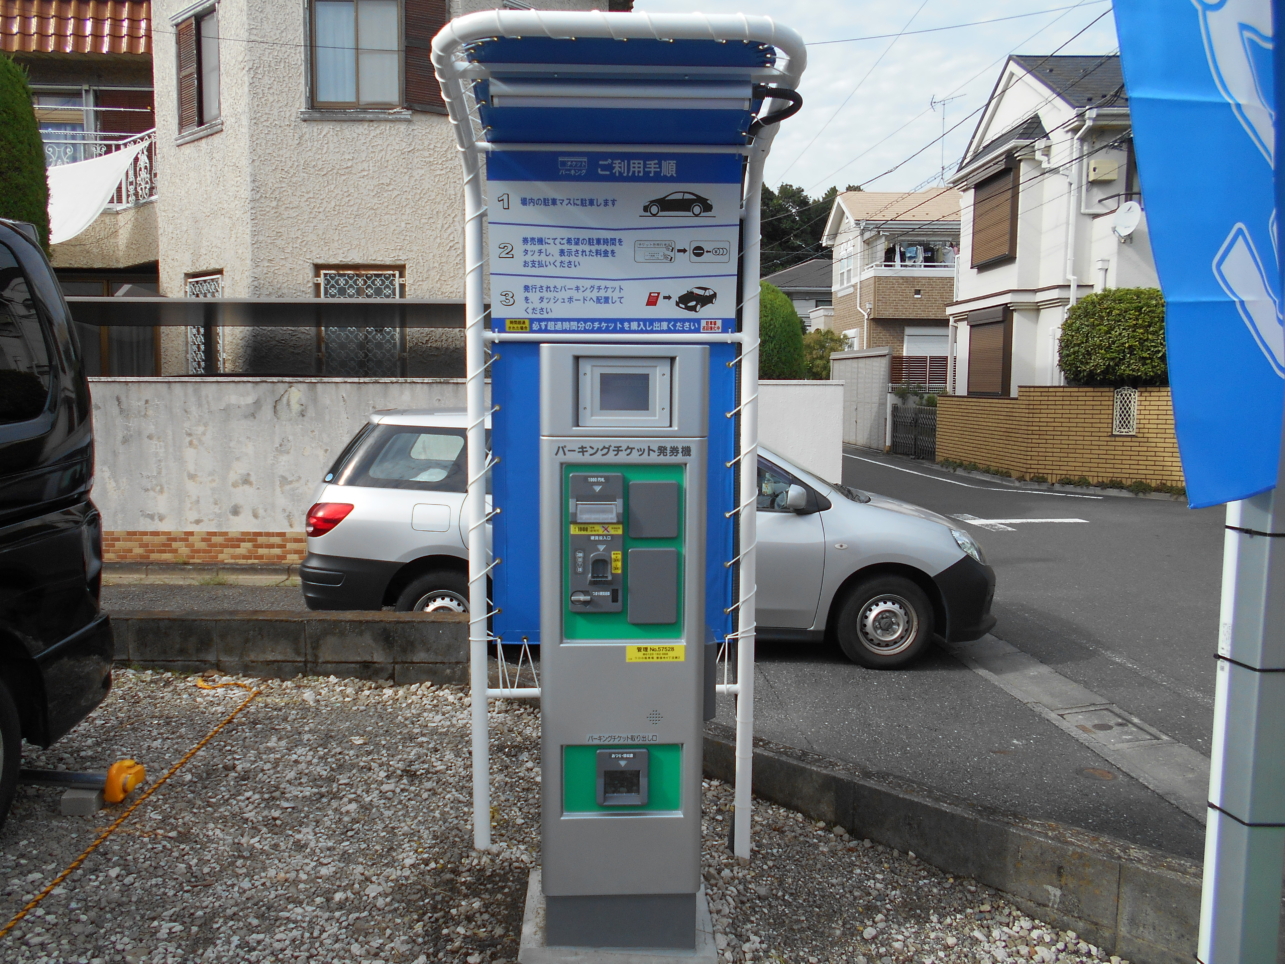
(941, 102)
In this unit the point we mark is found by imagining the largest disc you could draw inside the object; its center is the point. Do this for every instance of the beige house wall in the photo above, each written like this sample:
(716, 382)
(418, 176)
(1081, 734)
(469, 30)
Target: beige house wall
(118, 238)
(271, 194)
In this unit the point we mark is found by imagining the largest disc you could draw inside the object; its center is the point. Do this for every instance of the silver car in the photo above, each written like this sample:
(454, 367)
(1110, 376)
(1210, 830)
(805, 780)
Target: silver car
(878, 575)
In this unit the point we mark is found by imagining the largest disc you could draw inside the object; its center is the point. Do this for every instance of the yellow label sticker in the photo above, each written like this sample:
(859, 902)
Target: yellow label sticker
(517, 324)
(615, 563)
(664, 653)
(597, 529)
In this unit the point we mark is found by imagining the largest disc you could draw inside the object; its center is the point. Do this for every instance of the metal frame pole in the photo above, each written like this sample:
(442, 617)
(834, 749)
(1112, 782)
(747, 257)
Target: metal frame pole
(1240, 901)
(475, 514)
(742, 845)
(1245, 835)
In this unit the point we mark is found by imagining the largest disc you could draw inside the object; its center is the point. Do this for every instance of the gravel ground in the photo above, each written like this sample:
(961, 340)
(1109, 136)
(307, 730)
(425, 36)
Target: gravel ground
(202, 598)
(329, 822)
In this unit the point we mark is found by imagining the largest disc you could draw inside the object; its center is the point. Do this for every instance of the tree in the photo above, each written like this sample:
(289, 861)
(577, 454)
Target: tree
(780, 335)
(1116, 337)
(24, 191)
(818, 346)
(792, 225)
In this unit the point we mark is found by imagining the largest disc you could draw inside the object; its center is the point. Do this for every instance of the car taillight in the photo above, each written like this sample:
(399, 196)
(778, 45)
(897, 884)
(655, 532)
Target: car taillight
(324, 516)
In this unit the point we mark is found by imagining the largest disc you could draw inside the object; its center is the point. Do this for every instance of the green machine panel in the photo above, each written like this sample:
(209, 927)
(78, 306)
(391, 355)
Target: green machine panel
(580, 779)
(601, 602)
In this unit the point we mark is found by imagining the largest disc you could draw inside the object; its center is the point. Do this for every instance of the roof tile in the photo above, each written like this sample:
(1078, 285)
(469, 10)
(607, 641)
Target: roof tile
(76, 26)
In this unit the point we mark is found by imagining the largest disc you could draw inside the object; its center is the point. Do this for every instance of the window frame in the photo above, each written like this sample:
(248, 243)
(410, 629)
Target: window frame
(316, 103)
(189, 43)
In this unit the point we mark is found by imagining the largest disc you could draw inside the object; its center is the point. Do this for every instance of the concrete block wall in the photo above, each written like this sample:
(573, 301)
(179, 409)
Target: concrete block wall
(803, 421)
(865, 394)
(222, 470)
(1060, 432)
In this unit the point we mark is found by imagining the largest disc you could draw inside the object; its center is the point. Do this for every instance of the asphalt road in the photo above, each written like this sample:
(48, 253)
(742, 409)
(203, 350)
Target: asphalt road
(1124, 603)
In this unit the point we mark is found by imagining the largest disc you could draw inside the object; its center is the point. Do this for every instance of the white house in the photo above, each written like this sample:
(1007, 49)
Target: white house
(1050, 212)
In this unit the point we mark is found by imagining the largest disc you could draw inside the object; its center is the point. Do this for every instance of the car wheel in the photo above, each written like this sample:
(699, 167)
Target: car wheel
(885, 622)
(653, 209)
(440, 591)
(697, 210)
(10, 751)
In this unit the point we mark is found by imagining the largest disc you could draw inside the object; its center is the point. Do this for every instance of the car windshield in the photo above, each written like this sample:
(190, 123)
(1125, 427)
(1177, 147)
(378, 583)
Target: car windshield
(405, 457)
(818, 483)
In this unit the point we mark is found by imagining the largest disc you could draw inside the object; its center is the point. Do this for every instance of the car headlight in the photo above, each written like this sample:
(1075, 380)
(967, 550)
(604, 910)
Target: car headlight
(967, 543)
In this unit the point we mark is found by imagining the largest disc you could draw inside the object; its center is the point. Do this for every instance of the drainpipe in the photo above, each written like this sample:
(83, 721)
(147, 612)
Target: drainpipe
(865, 315)
(1073, 171)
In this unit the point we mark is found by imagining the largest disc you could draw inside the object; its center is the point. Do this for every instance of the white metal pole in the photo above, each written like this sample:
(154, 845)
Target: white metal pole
(1245, 834)
(475, 434)
(748, 491)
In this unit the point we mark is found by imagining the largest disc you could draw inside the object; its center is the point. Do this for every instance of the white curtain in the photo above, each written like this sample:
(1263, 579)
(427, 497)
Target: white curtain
(79, 192)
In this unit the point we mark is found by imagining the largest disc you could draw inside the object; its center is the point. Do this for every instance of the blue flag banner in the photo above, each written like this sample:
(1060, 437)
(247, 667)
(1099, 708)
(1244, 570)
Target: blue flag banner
(1201, 96)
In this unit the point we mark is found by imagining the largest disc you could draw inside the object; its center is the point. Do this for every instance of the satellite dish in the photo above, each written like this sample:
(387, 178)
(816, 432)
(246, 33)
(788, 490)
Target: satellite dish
(1127, 218)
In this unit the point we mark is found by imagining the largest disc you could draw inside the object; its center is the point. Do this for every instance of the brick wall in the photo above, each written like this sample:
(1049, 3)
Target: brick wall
(887, 334)
(846, 314)
(1061, 432)
(895, 297)
(205, 547)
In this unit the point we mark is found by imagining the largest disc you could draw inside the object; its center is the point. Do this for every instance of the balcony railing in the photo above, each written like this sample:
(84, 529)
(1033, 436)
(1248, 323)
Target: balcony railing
(139, 181)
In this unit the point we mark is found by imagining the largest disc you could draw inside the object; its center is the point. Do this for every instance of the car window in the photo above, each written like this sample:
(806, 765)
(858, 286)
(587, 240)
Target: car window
(348, 450)
(25, 364)
(406, 457)
(773, 486)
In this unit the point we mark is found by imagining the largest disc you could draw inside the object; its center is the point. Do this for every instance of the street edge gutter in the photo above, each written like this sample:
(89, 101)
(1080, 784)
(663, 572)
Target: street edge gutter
(1133, 902)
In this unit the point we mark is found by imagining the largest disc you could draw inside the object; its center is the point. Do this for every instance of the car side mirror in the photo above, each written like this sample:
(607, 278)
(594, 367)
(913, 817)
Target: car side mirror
(796, 498)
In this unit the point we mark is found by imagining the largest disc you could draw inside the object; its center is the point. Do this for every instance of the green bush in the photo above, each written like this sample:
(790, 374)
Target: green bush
(780, 335)
(24, 192)
(1116, 337)
(818, 346)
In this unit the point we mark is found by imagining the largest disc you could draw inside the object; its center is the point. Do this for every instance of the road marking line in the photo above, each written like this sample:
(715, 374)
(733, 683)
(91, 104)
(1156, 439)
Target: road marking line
(984, 488)
(1173, 770)
(1004, 525)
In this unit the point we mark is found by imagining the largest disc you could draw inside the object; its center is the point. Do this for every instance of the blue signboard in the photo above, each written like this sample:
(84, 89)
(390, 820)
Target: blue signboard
(597, 243)
(1200, 83)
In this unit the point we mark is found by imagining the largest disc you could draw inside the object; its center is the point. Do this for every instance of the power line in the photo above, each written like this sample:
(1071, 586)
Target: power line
(852, 93)
(953, 26)
(1056, 93)
(984, 70)
(966, 117)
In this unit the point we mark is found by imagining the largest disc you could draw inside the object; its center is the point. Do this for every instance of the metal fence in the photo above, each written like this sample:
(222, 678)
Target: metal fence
(914, 431)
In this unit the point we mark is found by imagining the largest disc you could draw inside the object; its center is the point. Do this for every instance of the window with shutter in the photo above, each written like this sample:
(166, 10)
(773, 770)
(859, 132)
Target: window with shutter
(422, 20)
(189, 112)
(989, 354)
(995, 218)
(197, 43)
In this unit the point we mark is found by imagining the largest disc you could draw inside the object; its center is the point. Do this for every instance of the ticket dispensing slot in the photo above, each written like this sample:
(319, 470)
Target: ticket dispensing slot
(596, 509)
(622, 778)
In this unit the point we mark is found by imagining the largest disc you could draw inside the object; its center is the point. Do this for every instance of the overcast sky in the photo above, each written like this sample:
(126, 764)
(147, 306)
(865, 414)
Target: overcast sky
(889, 117)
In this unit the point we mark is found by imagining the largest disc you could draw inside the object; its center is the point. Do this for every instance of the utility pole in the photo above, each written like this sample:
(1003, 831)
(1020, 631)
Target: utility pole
(934, 103)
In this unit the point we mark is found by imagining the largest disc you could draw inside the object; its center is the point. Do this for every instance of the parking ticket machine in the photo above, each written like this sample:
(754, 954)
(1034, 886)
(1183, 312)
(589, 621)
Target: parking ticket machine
(622, 489)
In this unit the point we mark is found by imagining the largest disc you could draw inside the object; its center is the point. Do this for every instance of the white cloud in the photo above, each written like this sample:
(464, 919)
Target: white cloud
(894, 101)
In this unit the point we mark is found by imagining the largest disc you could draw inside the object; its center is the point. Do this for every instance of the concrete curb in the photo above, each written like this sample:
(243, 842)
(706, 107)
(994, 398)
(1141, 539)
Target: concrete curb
(402, 647)
(1137, 903)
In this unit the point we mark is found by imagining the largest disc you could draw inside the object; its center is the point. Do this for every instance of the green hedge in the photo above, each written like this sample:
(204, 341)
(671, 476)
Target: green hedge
(1116, 337)
(24, 192)
(780, 335)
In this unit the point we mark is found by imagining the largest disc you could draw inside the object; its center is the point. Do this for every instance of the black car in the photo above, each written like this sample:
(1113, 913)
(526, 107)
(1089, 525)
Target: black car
(696, 298)
(679, 202)
(55, 646)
